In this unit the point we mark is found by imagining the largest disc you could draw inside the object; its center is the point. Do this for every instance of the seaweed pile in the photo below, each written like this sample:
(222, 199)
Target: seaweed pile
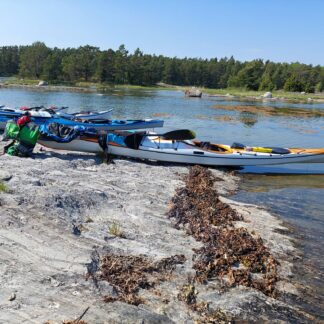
(273, 111)
(129, 274)
(229, 253)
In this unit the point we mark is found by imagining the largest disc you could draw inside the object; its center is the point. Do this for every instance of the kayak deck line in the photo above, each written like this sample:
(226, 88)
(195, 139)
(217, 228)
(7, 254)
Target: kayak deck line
(226, 149)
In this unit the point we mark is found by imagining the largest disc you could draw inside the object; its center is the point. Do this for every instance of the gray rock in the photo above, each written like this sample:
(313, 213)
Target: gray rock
(51, 194)
(193, 92)
(267, 95)
(42, 83)
(5, 176)
(12, 297)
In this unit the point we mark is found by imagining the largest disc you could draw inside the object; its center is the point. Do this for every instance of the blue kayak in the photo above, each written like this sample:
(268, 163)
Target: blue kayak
(44, 117)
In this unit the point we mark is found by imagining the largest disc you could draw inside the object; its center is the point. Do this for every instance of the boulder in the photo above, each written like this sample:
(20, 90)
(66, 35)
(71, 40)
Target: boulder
(5, 176)
(267, 95)
(42, 83)
(193, 92)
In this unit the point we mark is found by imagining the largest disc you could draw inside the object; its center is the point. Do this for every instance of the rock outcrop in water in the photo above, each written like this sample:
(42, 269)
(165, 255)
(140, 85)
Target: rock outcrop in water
(193, 92)
(76, 233)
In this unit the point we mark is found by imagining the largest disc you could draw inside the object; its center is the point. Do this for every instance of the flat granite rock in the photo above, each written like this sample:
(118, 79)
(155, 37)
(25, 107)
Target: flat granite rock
(44, 259)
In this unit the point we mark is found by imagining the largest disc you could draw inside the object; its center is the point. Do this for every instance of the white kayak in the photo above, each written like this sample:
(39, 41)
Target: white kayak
(150, 146)
(80, 144)
(50, 112)
(87, 115)
(90, 120)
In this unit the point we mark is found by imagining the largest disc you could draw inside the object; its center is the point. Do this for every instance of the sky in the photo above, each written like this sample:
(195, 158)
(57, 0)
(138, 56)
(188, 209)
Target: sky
(278, 30)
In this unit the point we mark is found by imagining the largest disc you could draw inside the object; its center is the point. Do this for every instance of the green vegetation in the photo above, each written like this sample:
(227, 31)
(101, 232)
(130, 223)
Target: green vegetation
(89, 66)
(22, 81)
(3, 187)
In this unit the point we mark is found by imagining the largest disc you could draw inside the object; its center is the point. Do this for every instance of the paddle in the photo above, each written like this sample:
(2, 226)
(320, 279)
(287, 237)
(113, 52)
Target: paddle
(89, 113)
(177, 135)
(134, 140)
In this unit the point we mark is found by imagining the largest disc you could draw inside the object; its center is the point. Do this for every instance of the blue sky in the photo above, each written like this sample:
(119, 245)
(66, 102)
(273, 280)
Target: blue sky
(279, 30)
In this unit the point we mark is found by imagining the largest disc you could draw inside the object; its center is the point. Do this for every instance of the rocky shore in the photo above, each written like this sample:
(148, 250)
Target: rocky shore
(198, 92)
(80, 236)
(49, 88)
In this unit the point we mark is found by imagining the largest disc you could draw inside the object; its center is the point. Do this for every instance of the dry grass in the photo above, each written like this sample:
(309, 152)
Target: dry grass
(115, 230)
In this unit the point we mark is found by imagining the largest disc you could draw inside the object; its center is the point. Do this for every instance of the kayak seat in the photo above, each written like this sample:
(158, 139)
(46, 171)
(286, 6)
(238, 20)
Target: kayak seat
(238, 146)
(94, 121)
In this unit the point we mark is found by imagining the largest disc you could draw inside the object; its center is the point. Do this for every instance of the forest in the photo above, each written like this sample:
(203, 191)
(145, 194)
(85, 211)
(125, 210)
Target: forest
(90, 64)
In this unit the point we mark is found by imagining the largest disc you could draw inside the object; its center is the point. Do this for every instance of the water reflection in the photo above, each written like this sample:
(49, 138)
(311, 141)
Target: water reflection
(249, 119)
(266, 183)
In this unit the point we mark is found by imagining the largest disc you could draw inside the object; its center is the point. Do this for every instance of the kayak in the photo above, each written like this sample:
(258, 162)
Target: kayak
(58, 111)
(157, 148)
(109, 124)
(151, 146)
(88, 115)
(86, 144)
(6, 114)
(41, 117)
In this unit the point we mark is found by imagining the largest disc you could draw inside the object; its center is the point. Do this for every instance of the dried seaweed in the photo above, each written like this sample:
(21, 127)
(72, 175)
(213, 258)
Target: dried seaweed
(197, 206)
(129, 274)
(188, 294)
(229, 253)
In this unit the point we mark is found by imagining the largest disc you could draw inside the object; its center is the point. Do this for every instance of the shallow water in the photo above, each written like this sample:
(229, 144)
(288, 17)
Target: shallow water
(297, 198)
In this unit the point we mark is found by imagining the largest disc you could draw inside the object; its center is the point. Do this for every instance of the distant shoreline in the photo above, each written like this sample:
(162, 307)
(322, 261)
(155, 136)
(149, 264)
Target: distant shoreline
(225, 94)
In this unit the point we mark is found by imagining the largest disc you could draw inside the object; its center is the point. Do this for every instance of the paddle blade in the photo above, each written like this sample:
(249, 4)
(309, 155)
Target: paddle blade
(179, 135)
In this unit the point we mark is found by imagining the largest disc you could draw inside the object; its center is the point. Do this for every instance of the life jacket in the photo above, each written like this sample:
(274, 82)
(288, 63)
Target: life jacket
(22, 121)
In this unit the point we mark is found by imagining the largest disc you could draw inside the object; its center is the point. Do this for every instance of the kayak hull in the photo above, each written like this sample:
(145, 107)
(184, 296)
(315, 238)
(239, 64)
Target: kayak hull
(184, 153)
(113, 124)
(78, 145)
(175, 156)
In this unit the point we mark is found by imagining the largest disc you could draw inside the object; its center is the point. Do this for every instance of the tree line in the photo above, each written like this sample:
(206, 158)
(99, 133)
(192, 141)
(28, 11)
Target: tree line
(90, 64)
